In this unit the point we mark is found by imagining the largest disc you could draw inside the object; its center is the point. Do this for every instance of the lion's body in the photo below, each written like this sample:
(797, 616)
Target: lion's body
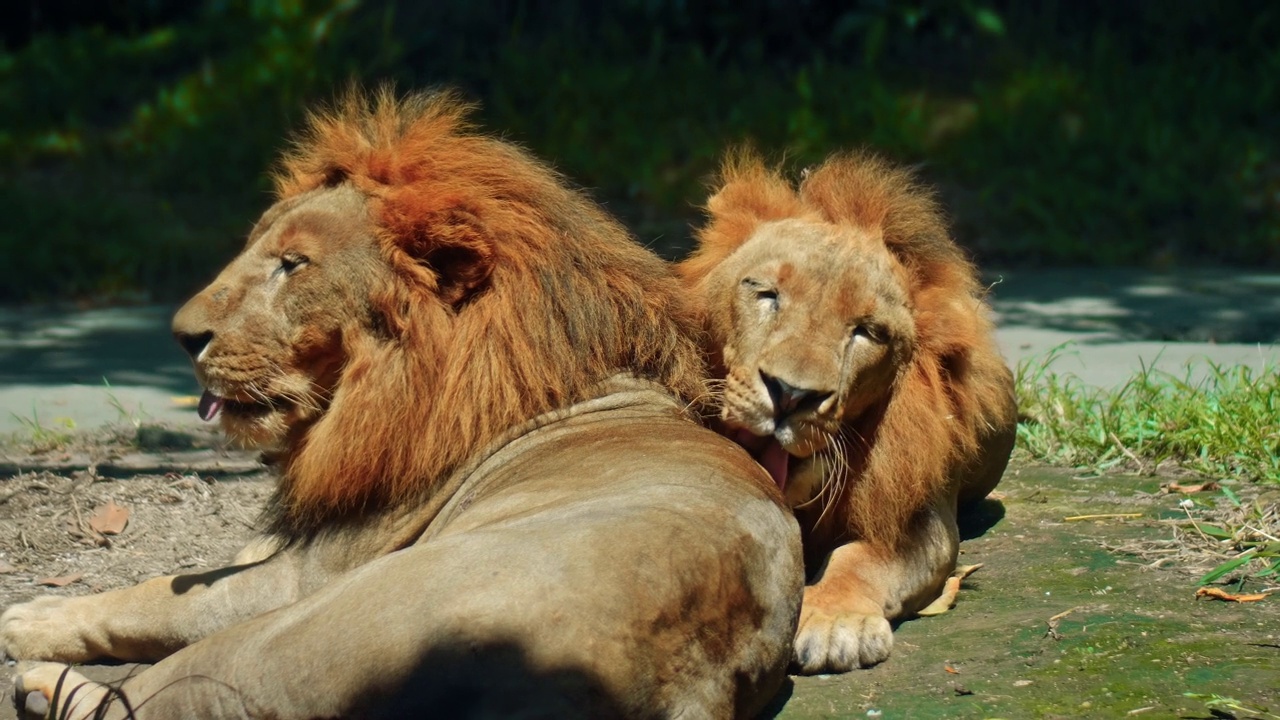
(491, 501)
(860, 367)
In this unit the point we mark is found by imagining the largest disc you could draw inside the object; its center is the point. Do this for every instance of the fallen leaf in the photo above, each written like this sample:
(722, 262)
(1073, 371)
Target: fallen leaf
(1053, 623)
(951, 670)
(1190, 489)
(61, 581)
(945, 600)
(109, 519)
(1021, 683)
(1102, 516)
(1220, 594)
(1062, 614)
(6, 568)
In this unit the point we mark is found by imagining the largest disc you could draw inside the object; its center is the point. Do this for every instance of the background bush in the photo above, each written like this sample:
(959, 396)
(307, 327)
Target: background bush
(136, 133)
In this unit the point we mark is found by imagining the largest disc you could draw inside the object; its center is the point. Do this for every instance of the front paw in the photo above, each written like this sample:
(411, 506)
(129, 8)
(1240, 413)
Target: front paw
(43, 629)
(49, 690)
(833, 642)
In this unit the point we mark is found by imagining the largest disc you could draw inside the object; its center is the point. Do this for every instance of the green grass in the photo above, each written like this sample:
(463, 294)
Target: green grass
(41, 438)
(1226, 707)
(1224, 426)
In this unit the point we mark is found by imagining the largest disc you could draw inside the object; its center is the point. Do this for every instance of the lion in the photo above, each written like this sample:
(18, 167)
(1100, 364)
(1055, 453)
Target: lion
(859, 366)
(492, 496)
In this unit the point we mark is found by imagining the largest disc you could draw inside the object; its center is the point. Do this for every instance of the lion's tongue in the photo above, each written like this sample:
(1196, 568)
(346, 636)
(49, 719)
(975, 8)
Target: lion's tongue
(210, 404)
(768, 452)
(776, 460)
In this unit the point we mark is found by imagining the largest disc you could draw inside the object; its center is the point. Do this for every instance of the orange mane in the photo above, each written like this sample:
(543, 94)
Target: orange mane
(937, 411)
(512, 295)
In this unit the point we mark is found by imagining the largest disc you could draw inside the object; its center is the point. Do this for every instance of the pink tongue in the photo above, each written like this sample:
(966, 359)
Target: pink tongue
(775, 460)
(768, 452)
(210, 404)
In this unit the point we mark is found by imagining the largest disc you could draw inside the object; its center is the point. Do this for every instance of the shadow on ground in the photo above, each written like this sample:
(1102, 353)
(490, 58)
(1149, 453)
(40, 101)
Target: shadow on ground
(74, 368)
(1109, 304)
(125, 345)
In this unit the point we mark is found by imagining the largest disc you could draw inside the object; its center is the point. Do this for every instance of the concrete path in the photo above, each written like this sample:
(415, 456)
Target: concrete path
(91, 367)
(1111, 323)
(87, 368)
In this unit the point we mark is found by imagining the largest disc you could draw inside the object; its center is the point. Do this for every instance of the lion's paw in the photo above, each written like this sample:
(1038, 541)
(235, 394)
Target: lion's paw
(53, 690)
(838, 642)
(44, 629)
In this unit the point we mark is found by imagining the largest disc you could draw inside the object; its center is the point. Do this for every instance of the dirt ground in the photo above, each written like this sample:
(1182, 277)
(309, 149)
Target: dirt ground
(1059, 621)
(182, 503)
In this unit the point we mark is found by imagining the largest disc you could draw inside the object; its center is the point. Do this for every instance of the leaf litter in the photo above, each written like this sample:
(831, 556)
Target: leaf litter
(1220, 538)
(73, 533)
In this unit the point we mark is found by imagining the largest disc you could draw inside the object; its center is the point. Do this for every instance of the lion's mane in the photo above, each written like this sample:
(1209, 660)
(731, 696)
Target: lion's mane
(939, 406)
(512, 295)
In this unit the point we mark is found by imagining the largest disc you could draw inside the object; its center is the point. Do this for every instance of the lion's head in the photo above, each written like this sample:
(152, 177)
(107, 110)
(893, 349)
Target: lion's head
(816, 330)
(416, 290)
(840, 314)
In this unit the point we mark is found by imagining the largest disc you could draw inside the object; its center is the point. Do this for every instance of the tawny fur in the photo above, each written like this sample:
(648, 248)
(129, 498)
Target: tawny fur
(464, 219)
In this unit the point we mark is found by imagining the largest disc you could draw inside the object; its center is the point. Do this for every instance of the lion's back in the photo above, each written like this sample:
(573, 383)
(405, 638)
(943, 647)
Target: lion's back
(689, 546)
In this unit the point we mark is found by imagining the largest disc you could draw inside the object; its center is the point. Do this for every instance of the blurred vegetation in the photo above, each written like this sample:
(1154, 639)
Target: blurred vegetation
(136, 133)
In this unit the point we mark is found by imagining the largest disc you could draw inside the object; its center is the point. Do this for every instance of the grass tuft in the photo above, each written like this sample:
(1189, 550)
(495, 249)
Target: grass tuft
(41, 438)
(1226, 425)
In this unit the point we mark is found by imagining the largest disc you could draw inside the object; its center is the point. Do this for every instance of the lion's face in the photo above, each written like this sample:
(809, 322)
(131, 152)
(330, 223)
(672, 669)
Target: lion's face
(267, 335)
(815, 323)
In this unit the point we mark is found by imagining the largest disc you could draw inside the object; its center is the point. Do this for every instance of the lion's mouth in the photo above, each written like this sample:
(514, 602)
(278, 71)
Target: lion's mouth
(211, 404)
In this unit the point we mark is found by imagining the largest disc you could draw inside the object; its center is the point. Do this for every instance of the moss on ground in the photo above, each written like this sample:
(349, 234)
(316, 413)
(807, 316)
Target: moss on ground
(1132, 638)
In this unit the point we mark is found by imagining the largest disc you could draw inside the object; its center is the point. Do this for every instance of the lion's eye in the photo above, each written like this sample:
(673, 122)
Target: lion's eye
(290, 262)
(868, 332)
(767, 299)
(766, 296)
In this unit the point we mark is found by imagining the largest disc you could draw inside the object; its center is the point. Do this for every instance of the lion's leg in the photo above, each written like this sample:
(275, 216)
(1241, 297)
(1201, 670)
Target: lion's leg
(844, 621)
(147, 621)
(417, 618)
(444, 629)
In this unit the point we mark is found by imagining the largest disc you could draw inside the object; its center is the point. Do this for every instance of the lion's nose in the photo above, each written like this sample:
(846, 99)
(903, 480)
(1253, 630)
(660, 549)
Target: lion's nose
(788, 398)
(193, 343)
(191, 326)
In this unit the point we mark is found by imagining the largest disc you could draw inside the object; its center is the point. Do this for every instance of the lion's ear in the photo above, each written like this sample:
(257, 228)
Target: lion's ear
(454, 245)
(461, 269)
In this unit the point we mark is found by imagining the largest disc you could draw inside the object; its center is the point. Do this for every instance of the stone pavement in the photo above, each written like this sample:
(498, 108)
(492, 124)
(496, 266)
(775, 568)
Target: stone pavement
(1110, 323)
(91, 367)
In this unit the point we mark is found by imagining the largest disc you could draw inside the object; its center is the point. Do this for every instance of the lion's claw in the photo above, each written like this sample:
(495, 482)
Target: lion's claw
(35, 688)
(29, 704)
(841, 642)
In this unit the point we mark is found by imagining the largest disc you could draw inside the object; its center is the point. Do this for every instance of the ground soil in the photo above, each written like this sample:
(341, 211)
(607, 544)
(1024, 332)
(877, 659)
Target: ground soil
(1057, 623)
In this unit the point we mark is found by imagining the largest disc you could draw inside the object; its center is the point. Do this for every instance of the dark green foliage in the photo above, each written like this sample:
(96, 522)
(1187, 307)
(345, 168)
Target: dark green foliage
(136, 133)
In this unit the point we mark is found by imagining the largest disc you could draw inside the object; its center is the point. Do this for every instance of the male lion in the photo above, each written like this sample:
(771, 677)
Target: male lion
(491, 498)
(859, 367)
